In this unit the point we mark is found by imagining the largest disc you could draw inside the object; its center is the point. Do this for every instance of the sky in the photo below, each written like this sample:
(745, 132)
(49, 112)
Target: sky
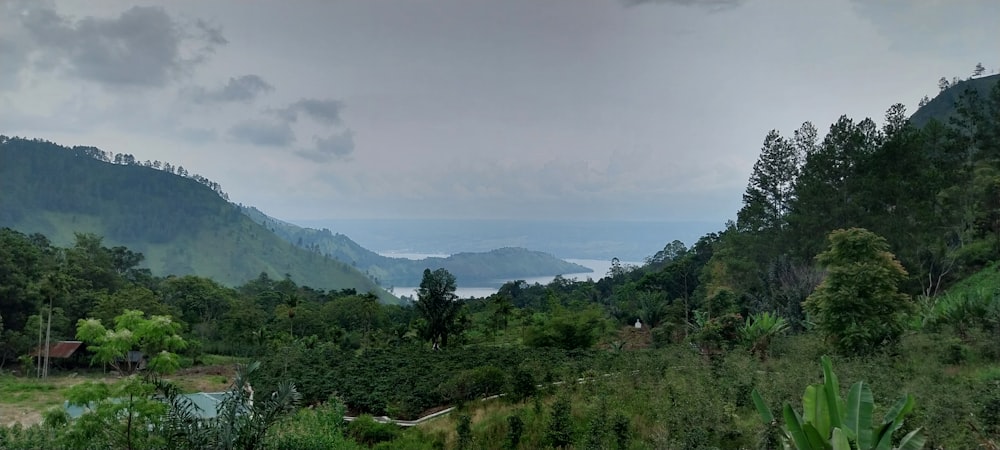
(472, 109)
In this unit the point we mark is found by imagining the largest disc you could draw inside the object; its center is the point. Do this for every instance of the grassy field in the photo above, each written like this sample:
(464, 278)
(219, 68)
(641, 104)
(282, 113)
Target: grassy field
(24, 399)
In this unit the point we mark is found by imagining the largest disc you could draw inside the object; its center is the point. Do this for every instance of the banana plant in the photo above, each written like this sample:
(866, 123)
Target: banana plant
(828, 422)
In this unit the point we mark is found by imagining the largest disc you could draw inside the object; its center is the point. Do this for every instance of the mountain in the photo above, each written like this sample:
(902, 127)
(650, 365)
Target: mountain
(942, 107)
(480, 268)
(182, 224)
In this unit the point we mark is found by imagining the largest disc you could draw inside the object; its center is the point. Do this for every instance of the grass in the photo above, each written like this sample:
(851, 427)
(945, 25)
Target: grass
(985, 281)
(222, 360)
(675, 393)
(23, 399)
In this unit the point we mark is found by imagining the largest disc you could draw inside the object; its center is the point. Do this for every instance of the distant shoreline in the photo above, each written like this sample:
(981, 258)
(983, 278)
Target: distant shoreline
(600, 269)
(566, 239)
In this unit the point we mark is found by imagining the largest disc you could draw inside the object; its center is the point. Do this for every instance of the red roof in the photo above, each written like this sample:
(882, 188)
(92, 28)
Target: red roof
(61, 349)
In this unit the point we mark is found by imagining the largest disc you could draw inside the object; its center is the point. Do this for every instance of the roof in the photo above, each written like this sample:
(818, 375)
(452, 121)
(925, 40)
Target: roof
(61, 349)
(206, 404)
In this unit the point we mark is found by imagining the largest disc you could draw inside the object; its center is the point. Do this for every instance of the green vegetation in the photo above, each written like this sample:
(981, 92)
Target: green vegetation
(182, 224)
(156, 338)
(858, 306)
(829, 422)
(438, 306)
(508, 263)
(849, 250)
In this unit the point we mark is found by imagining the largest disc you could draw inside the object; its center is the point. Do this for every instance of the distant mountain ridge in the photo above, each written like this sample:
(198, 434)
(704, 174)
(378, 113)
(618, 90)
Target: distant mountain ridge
(492, 267)
(181, 224)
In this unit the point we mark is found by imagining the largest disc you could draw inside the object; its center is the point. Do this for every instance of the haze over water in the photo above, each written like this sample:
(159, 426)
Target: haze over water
(567, 239)
(600, 269)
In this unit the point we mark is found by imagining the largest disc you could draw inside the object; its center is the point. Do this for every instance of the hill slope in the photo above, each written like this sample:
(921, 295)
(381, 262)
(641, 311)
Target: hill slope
(480, 268)
(942, 106)
(179, 224)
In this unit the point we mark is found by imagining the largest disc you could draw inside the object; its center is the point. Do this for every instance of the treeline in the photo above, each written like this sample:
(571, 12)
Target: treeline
(933, 193)
(125, 159)
(136, 203)
(41, 283)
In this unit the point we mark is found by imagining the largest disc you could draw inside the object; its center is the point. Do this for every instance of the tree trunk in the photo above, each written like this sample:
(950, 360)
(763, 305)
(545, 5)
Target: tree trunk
(38, 355)
(48, 342)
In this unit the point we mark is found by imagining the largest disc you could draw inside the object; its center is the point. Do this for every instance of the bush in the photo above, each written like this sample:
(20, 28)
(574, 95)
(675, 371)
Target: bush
(515, 428)
(522, 385)
(719, 334)
(560, 431)
(365, 430)
(318, 428)
(858, 306)
(472, 384)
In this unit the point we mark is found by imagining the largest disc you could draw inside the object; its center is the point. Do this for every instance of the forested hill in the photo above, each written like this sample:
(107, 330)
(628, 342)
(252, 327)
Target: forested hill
(942, 107)
(475, 268)
(182, 224)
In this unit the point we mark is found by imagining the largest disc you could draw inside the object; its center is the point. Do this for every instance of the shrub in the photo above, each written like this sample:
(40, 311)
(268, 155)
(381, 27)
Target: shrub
(515, 428)
(718, 334)
(560, 430)
(367, 431)
(472, 384)
(828, 421)
(858, 306)
(760, 329)
(522, 385)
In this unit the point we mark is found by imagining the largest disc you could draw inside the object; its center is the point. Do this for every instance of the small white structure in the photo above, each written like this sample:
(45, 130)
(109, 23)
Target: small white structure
(638, 324)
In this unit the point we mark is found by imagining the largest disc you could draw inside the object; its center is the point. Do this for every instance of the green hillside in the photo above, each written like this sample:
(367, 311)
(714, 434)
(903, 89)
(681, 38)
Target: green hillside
(942, 107)
(181, 225)
(469, 268)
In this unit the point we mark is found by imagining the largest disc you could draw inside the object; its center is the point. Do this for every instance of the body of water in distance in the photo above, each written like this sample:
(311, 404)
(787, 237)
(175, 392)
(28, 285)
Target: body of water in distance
(600, 269)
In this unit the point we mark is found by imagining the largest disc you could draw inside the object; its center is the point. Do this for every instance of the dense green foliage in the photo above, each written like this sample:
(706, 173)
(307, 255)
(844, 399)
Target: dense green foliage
(438, 306)
(469, 268)
(858, 305)
(91, 281)
(156, 337)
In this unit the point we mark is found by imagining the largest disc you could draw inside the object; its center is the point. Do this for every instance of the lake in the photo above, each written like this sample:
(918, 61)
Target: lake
(600, 269)
(594, 239)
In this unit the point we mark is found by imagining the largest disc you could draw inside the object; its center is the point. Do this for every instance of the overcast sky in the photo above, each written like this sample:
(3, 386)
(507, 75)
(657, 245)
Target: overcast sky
(589, 109)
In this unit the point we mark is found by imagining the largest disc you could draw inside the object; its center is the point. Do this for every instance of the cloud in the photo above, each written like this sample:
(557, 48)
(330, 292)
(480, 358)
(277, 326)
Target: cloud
(142, 47)
(244, 89)
(324, 111)
(337, 146)
(13, 56)
(263, 133)
(276, 130)
(196, 134)
(710, 4)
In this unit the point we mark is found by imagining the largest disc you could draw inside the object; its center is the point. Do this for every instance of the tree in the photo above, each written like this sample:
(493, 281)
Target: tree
(670, 252)
(567, 329)
(858, 305)
(560, 431)
(769, 191)
(979, 70)
(157, 337)
(202, 301)
(943, 84)
(501, 308)
(829, 193)
(438, 305)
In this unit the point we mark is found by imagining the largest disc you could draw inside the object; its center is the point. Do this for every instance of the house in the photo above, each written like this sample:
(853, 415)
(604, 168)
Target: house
(64, 354)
